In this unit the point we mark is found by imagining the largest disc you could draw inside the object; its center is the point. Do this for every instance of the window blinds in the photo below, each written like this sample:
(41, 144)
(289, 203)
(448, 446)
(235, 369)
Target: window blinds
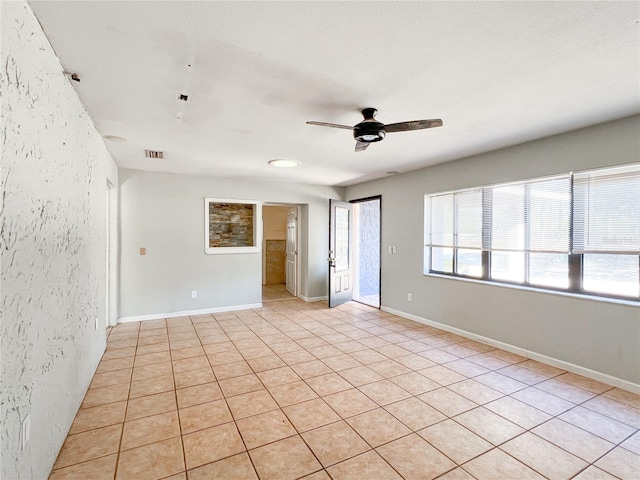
(606, 211)
(442, 220)
(469, 219)
(540, 216)
(530, 216)
(456, 219)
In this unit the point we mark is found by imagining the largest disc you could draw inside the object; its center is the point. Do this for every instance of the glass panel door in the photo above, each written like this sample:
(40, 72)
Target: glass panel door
(340, 255)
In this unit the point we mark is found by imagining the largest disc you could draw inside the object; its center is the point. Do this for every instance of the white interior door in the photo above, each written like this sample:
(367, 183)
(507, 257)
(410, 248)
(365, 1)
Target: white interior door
(292, 252)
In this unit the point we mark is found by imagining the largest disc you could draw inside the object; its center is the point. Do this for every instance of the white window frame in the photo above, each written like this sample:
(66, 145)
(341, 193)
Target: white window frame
(574, 257)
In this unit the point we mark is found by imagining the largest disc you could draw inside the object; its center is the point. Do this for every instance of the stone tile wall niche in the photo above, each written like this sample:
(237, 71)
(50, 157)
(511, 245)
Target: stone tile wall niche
(232, 226)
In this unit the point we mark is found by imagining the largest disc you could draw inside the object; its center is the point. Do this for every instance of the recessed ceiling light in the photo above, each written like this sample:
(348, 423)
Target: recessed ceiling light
(283, 163)
(114, 138)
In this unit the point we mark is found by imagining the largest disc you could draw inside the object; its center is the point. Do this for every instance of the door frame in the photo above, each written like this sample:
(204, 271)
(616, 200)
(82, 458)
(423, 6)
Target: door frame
(337, 292)
(111, 253)
(297, 206)
(355, 274)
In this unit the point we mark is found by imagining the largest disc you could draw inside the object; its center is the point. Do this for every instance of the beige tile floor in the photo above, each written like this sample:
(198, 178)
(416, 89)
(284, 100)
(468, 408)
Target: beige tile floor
(295, 390)
(275, 292)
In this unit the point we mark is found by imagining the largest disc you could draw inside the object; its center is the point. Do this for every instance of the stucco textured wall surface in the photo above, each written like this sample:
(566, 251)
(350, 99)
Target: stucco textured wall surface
(54, 171)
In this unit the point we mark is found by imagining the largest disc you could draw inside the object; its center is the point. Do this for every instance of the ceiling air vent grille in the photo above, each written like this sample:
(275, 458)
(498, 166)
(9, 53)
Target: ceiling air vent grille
(153, 154)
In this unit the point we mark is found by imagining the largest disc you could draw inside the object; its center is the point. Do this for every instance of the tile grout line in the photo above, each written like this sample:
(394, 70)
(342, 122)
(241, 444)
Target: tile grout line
(529, 430)
(124, 419)
(175, 392)
(341, 419)
(235, 423)
(280, 408)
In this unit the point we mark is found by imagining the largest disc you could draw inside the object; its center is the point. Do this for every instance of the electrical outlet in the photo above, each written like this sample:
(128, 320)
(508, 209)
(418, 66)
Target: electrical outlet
(194, 294)
(394, 249)
(409, 297)
(25, 431)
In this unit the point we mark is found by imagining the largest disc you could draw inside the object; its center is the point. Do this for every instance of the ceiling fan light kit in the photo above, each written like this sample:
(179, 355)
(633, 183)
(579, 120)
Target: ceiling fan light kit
(370, 130)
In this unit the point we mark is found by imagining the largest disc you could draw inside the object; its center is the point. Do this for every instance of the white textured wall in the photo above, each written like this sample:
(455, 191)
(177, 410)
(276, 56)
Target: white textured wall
(165, 214)
(54, 172)
(596, 335)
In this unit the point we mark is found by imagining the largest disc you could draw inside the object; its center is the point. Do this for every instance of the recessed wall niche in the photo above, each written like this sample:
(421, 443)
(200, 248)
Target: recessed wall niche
(232, 226)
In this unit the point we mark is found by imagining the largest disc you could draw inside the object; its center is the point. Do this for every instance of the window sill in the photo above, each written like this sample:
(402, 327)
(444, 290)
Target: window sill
(617, 301)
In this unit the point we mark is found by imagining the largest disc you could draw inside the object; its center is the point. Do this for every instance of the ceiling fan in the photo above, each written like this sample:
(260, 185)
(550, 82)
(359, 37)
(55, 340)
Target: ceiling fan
(370, 130)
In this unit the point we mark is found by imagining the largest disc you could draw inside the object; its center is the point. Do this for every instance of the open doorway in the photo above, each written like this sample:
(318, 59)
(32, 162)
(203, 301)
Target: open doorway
(366, 236)
(280, 252)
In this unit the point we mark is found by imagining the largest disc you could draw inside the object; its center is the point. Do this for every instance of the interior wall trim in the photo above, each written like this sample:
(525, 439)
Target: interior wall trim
(204, 311)
(554, 362)
(313, 299)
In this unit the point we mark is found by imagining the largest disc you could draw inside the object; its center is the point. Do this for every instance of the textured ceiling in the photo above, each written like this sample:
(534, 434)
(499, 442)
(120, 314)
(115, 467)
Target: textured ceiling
(497, 73)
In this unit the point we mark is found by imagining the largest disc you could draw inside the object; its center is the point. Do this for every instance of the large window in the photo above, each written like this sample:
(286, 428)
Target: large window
(529, 232)
(457, 233)
(576, 232)
(606, 232)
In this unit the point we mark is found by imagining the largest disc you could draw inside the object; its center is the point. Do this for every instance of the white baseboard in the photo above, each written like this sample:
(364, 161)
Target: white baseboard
(570, 367)
(313, 299)
(157, 316)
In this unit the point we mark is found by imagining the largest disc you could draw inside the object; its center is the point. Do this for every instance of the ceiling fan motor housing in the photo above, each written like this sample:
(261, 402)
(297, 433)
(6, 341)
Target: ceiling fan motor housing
(369, 131)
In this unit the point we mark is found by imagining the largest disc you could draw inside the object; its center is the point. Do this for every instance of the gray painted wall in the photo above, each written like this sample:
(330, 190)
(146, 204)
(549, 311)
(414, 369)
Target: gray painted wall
(597, 335)
(54, 174)
(165, 214)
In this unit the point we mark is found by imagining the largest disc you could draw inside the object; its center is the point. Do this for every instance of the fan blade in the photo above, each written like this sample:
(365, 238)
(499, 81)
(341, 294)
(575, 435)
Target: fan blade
(360, 146)
(413, 125)
(333, 125)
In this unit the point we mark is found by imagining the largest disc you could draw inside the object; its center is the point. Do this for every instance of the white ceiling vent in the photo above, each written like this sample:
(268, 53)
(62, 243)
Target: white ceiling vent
(153, 154)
